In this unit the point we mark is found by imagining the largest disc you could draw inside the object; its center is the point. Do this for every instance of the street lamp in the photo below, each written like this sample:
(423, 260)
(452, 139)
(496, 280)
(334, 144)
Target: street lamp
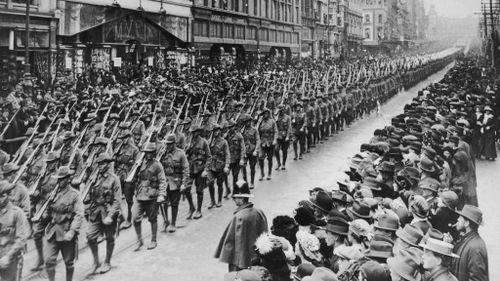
(26, 44)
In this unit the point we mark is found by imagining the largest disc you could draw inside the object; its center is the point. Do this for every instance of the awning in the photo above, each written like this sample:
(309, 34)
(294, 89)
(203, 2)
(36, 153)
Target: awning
(132, 26)
(180, 8)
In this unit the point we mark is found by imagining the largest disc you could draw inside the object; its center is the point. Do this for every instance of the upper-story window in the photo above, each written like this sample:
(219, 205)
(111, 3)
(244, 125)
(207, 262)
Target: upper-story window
(380, 19)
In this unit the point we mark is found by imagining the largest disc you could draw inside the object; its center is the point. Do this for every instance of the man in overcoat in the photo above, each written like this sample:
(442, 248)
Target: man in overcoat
(248, 223)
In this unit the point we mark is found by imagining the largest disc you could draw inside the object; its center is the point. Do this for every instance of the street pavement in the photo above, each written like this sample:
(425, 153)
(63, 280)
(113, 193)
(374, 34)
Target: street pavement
(187, 255)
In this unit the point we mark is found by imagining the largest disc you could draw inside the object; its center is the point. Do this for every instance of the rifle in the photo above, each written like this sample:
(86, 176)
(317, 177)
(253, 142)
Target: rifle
(90, 182)
(105, 119)
(78, 115)
(20, 152)
(8, 124)
(140, 157)
(162, 149)
(41, 211)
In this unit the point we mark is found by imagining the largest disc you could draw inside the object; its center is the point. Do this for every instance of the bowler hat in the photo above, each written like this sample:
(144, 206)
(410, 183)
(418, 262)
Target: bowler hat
(359, 210)
(348, 253)
(472, 213)
(242, 190)
(386, 167)
(410, 234)
(440, 247)
(304, 216)
(371, 183)
(323, 201)
(63, 172)
(6, 186)
(430, 184)
(427, 165)
(407, 264)
(303, 270)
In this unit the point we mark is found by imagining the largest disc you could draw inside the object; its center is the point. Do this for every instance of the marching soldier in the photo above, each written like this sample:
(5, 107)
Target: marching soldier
(4, 157)
(311, 123)
(268, 132)
(125, 155)
(299, 130)
(199, 158)
(102, 210)
(66, 151)
(284, 124)
(19, 194)
(65, 213)
(219, 166)
(252, 145)
(150, 190)
(138, 128)
(36, 166)
(237, 150)
(13, 235)
(176, 167)
(41, 192)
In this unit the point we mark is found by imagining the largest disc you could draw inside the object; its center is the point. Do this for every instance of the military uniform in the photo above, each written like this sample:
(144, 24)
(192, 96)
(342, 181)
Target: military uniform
(103, 203)
(237, 152)
(284, 124)
(66, 215)
(13, 235)
(176, 168)
(299, 133)
(252, 146)
(221, 159)
(200, 159)
(311, 124)
(4, 157)
(125, 156)
(77, 164)
(150, 184)
(268, 132)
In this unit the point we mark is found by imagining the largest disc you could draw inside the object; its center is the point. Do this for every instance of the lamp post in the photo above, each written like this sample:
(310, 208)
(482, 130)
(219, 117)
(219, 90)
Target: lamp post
(27, 44)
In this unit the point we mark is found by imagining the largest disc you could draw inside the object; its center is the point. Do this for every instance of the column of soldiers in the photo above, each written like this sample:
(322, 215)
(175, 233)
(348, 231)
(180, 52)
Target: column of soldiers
(86, 158)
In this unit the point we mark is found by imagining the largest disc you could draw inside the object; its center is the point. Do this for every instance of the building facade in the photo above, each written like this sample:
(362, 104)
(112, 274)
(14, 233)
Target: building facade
(42, 37)
(230, 31)
(354, 25)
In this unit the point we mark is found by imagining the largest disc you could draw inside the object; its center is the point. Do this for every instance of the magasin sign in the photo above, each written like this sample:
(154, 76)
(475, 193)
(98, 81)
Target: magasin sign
(131, 27)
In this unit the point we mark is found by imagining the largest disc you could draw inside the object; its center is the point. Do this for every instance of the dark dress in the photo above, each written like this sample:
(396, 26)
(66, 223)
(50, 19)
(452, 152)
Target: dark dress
(488, 148)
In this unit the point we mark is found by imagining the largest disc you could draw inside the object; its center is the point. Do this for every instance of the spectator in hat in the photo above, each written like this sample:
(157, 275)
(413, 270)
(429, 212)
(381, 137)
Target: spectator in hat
(487, 148)
(472, 263)
(379, 251)
(444, 216)
(374, 271)
(462, 179)
(436, 260)
(271, 254)
(420, 209)
(385, 228)
(323, 204)
(406, 266)
(409, 236)
(236, 244)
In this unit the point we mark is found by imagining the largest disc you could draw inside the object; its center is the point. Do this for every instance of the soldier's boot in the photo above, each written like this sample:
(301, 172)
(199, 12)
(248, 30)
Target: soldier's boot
(39, 250)
(138, 231)
(165, 216)
(69, 273)
(211, 191)
(295, 151)
(285, 156)
(127, 223)
(277, 155)
(95, 254)
(110, 247)
(261, 165)
(172, 227)
(219, 196)
(269, 168)
(198, 214)
(189, 198)
(51, 274)
(154, 232)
